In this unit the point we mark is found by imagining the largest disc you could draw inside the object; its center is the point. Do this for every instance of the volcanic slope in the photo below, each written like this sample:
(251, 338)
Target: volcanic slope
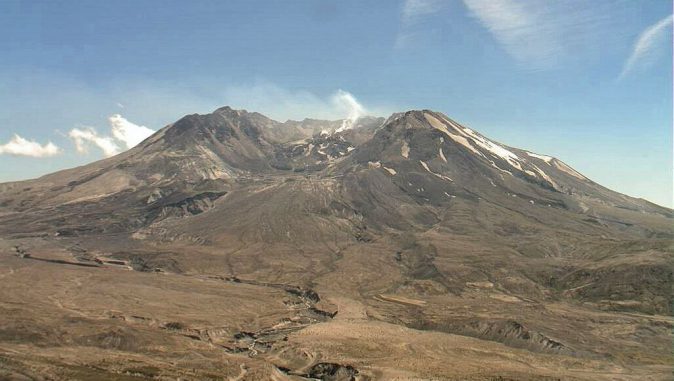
(233, 246)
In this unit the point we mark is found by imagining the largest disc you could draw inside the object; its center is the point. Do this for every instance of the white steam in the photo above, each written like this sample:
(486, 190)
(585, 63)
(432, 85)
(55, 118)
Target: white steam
(281, 103)
(347, 104)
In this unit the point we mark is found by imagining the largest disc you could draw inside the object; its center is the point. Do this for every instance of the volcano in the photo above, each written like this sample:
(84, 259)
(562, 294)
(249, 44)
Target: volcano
(233, 246)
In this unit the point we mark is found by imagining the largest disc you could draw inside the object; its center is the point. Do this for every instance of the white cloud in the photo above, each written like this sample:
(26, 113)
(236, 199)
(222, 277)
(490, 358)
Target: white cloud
(540, 34)
(19, 146)
(123, 133)
(645, 45)
(87, 136)
(129, 133)
(413, 13)
(519, 28)
(536, 33)
(413, 10)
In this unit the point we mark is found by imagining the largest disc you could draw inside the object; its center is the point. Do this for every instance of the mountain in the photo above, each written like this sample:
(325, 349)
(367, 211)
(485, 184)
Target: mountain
(407, 247)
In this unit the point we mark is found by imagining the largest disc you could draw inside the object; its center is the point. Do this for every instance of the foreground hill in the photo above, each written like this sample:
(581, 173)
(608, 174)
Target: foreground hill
(409, 247)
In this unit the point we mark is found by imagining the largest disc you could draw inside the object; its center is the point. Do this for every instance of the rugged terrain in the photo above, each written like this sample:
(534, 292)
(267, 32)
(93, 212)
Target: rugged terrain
(232, 246)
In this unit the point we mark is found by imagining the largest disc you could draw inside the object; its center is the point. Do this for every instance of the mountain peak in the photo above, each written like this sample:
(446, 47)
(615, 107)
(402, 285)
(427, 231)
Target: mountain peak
(435, 230)
(229, 111)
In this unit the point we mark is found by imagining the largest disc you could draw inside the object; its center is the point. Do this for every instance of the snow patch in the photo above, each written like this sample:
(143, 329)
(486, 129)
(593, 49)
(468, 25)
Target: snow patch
(309, 149)
(565, 168)
(442, 155)
(423, 164)
(545, 176)
(494, 148)
(499, 168)
(390, 170)
(405, 150)
(545, 158)
(438, 125)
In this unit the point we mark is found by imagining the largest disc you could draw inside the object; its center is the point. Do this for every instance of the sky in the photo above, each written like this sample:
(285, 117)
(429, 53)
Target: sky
(589, 82)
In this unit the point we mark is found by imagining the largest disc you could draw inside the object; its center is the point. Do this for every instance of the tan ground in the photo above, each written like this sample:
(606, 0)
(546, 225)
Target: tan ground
(62, 321)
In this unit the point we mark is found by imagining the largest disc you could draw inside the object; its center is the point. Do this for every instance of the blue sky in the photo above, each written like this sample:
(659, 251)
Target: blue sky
(589, 82)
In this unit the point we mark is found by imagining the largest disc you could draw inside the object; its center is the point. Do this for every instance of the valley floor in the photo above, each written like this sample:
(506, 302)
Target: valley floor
(65, 318)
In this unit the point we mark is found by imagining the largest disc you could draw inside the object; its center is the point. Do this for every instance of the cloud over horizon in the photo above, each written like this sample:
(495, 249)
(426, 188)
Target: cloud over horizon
(646, 44)
(18, 146)
(123, 132)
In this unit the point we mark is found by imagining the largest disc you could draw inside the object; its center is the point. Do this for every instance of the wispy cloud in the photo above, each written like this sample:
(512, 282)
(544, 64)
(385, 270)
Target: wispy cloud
(413, 10)
(412, 14)
(123, 133)
(19, 146)
(646, 44)
(538, 34)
